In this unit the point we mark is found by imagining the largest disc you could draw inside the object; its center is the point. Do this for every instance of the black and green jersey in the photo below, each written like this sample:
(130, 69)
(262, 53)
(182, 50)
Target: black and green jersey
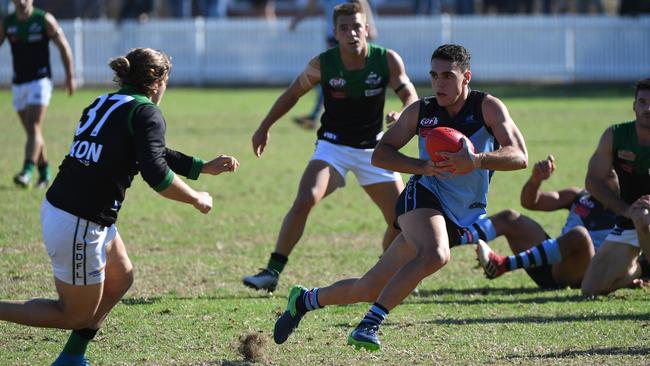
(119, 135)
(353, 99)
(30, 50)
(632, 165)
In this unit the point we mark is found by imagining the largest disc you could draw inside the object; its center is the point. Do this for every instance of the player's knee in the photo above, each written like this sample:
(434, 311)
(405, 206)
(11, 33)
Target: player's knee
(304, 203)
(591, 288)
(434, 258)
(579, 238)
(594, 284)
(126, 281)
(506, 220)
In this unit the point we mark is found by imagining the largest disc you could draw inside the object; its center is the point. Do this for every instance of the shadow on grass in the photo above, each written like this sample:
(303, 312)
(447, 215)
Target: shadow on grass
(540, 319)
(516, 320)
(481, 291)
(156, 299)
(485, 295)
(611, 351)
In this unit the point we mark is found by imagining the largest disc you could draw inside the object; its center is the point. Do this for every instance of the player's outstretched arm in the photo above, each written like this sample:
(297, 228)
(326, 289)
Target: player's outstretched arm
(512, 154)
(55, 32)
(220, 164)
(598, 173)
(401, 84)
(533, 198)
(299, 87)
(180, 191)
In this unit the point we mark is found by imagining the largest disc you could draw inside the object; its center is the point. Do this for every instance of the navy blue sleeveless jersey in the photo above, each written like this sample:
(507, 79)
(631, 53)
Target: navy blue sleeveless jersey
(586, 211)
(463, 197)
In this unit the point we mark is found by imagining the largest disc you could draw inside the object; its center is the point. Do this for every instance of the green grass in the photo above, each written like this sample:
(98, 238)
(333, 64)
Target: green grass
(188, 307)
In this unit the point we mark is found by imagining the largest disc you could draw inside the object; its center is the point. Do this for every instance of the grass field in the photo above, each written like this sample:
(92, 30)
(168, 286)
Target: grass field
(188, 307)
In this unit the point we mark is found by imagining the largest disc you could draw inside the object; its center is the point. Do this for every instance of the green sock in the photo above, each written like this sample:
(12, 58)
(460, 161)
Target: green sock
(277, 262)
(78, 341)
(44, 171)
(28, 167)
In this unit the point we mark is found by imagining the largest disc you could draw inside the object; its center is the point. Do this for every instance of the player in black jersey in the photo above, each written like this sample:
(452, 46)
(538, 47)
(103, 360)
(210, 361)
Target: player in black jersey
(119, 135)
(550, 262)
(624, 147)
(29, 31)
(354, 77)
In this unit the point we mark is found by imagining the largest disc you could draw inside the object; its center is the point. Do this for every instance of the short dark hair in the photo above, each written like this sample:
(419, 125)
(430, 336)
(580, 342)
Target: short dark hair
(455, 53)
(643, 84)
(347, 9)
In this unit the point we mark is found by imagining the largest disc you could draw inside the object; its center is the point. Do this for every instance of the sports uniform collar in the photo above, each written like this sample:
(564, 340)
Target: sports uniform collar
(132, 90)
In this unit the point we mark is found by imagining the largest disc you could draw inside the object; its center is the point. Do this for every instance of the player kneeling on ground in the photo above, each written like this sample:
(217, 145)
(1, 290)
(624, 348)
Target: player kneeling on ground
(624, 147)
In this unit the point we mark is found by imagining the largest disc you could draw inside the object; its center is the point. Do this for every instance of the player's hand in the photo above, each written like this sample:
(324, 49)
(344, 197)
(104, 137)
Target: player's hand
(391, 118)
(222, 163)
(203, 202)
(260, 138)
(543, 169)
(70, 85)
(459, 162)
(639, 211)
(430, 168)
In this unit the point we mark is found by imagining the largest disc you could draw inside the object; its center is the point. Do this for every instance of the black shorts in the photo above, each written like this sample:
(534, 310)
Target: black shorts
(415, 196)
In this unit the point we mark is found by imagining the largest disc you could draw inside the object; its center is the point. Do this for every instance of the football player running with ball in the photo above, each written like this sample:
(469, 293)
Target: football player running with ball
(119, 134)
(435, 204)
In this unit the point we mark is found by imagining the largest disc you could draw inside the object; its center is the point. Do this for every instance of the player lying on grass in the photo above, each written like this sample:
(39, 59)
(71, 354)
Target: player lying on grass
(435, 204)
(119, 134)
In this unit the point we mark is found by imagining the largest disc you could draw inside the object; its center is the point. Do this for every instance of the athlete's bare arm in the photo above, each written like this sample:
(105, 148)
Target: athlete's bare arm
(534, 199)
(600, 167)
(55, 32)
(309, 78)
(512, 154)
(387, 153)
(400, 83)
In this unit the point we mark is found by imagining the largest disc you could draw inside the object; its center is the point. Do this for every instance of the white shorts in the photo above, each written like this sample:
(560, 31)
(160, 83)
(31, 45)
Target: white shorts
(35, 92)
(345, 158)
(623, 236)
(77, 247)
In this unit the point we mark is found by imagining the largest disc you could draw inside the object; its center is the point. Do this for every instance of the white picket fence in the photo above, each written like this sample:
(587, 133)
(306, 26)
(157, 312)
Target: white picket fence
(253, 52)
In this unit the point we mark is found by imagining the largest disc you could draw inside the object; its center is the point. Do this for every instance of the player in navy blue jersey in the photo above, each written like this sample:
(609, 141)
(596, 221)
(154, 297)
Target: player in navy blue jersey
(119, 135)
(435, 204)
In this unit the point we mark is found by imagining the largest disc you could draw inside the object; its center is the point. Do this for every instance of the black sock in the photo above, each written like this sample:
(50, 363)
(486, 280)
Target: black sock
(277, 262)
(78, 341)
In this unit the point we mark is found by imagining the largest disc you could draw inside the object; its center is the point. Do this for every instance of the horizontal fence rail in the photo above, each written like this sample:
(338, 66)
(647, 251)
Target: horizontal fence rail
(204, 52)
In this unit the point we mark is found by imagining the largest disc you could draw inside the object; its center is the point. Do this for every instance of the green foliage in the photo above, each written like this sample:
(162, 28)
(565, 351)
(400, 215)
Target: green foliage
(188, 306)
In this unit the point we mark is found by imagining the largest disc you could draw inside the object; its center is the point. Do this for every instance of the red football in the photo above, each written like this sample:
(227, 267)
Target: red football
(445, 139)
